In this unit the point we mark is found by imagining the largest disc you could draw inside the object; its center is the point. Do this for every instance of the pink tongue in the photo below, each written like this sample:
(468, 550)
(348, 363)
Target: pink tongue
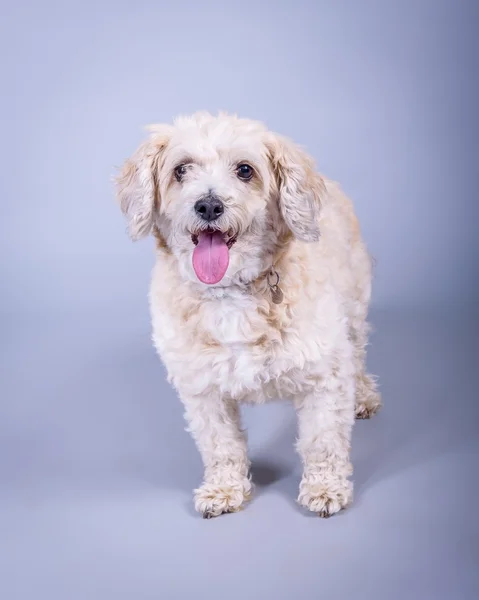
(210, 257)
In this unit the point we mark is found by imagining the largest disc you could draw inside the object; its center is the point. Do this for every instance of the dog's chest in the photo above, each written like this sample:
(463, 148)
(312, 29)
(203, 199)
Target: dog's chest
(242, 346)
(235, 322)
(248, 348)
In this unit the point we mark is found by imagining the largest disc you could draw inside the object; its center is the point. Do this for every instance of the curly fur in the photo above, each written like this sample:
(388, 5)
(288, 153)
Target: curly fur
(230, 343)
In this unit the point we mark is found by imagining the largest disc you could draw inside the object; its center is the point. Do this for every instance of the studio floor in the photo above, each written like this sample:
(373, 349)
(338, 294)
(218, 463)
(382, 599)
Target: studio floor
(97, 473)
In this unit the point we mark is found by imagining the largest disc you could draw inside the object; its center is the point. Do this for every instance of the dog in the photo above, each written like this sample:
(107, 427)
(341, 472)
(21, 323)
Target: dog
(260, 290)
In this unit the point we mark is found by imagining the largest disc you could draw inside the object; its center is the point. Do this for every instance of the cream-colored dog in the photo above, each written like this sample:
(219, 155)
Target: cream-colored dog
(260, 290)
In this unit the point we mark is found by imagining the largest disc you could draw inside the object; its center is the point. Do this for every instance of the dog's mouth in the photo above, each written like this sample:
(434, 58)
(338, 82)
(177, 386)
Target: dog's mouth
(211, 255)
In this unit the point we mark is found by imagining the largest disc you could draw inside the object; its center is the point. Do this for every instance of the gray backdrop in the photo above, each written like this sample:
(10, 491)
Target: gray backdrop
(96, 470)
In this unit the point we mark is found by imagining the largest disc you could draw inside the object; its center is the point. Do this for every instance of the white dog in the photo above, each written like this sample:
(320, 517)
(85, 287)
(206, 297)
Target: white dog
(260, 290)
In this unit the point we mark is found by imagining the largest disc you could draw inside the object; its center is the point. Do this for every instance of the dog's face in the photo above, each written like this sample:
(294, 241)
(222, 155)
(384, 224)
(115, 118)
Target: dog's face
(221, 192)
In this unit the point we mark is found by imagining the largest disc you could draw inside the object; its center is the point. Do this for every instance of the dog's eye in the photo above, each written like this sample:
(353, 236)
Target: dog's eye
(244, 171)
(180, 171)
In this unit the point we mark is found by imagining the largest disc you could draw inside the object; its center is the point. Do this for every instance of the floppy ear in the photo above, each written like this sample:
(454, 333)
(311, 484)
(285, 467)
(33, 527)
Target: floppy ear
(299, 187)
(137, 185)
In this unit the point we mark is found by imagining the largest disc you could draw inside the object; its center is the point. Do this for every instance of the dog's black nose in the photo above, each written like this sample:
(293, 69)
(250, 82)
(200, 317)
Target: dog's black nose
(209, 208)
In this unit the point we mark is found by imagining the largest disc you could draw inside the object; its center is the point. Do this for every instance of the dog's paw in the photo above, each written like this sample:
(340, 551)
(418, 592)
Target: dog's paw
(214, 499)
(365, 409)
(326, 498)
(368, 399)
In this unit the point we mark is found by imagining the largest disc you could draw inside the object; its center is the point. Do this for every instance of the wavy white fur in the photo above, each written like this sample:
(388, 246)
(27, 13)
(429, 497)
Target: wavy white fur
(229, 343)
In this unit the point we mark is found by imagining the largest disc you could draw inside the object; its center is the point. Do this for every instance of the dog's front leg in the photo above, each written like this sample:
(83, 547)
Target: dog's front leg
(214, 423)
(325, 419)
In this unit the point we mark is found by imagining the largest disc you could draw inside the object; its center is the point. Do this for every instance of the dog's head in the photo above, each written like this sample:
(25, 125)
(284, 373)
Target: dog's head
(221, 192)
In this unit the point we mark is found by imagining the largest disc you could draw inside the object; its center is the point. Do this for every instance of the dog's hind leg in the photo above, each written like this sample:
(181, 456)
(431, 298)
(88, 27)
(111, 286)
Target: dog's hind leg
(368, 398)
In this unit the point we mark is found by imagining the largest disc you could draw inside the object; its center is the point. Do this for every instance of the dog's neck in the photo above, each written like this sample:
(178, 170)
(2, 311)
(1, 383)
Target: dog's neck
(271, 275)
(267, 283)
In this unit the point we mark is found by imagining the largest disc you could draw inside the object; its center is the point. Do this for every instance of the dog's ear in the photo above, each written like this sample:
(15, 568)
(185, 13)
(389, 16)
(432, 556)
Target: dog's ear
(299, 187)
(137, 184)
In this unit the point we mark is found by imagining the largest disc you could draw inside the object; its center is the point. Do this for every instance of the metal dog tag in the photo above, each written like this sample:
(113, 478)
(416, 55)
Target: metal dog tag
(276, 292)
